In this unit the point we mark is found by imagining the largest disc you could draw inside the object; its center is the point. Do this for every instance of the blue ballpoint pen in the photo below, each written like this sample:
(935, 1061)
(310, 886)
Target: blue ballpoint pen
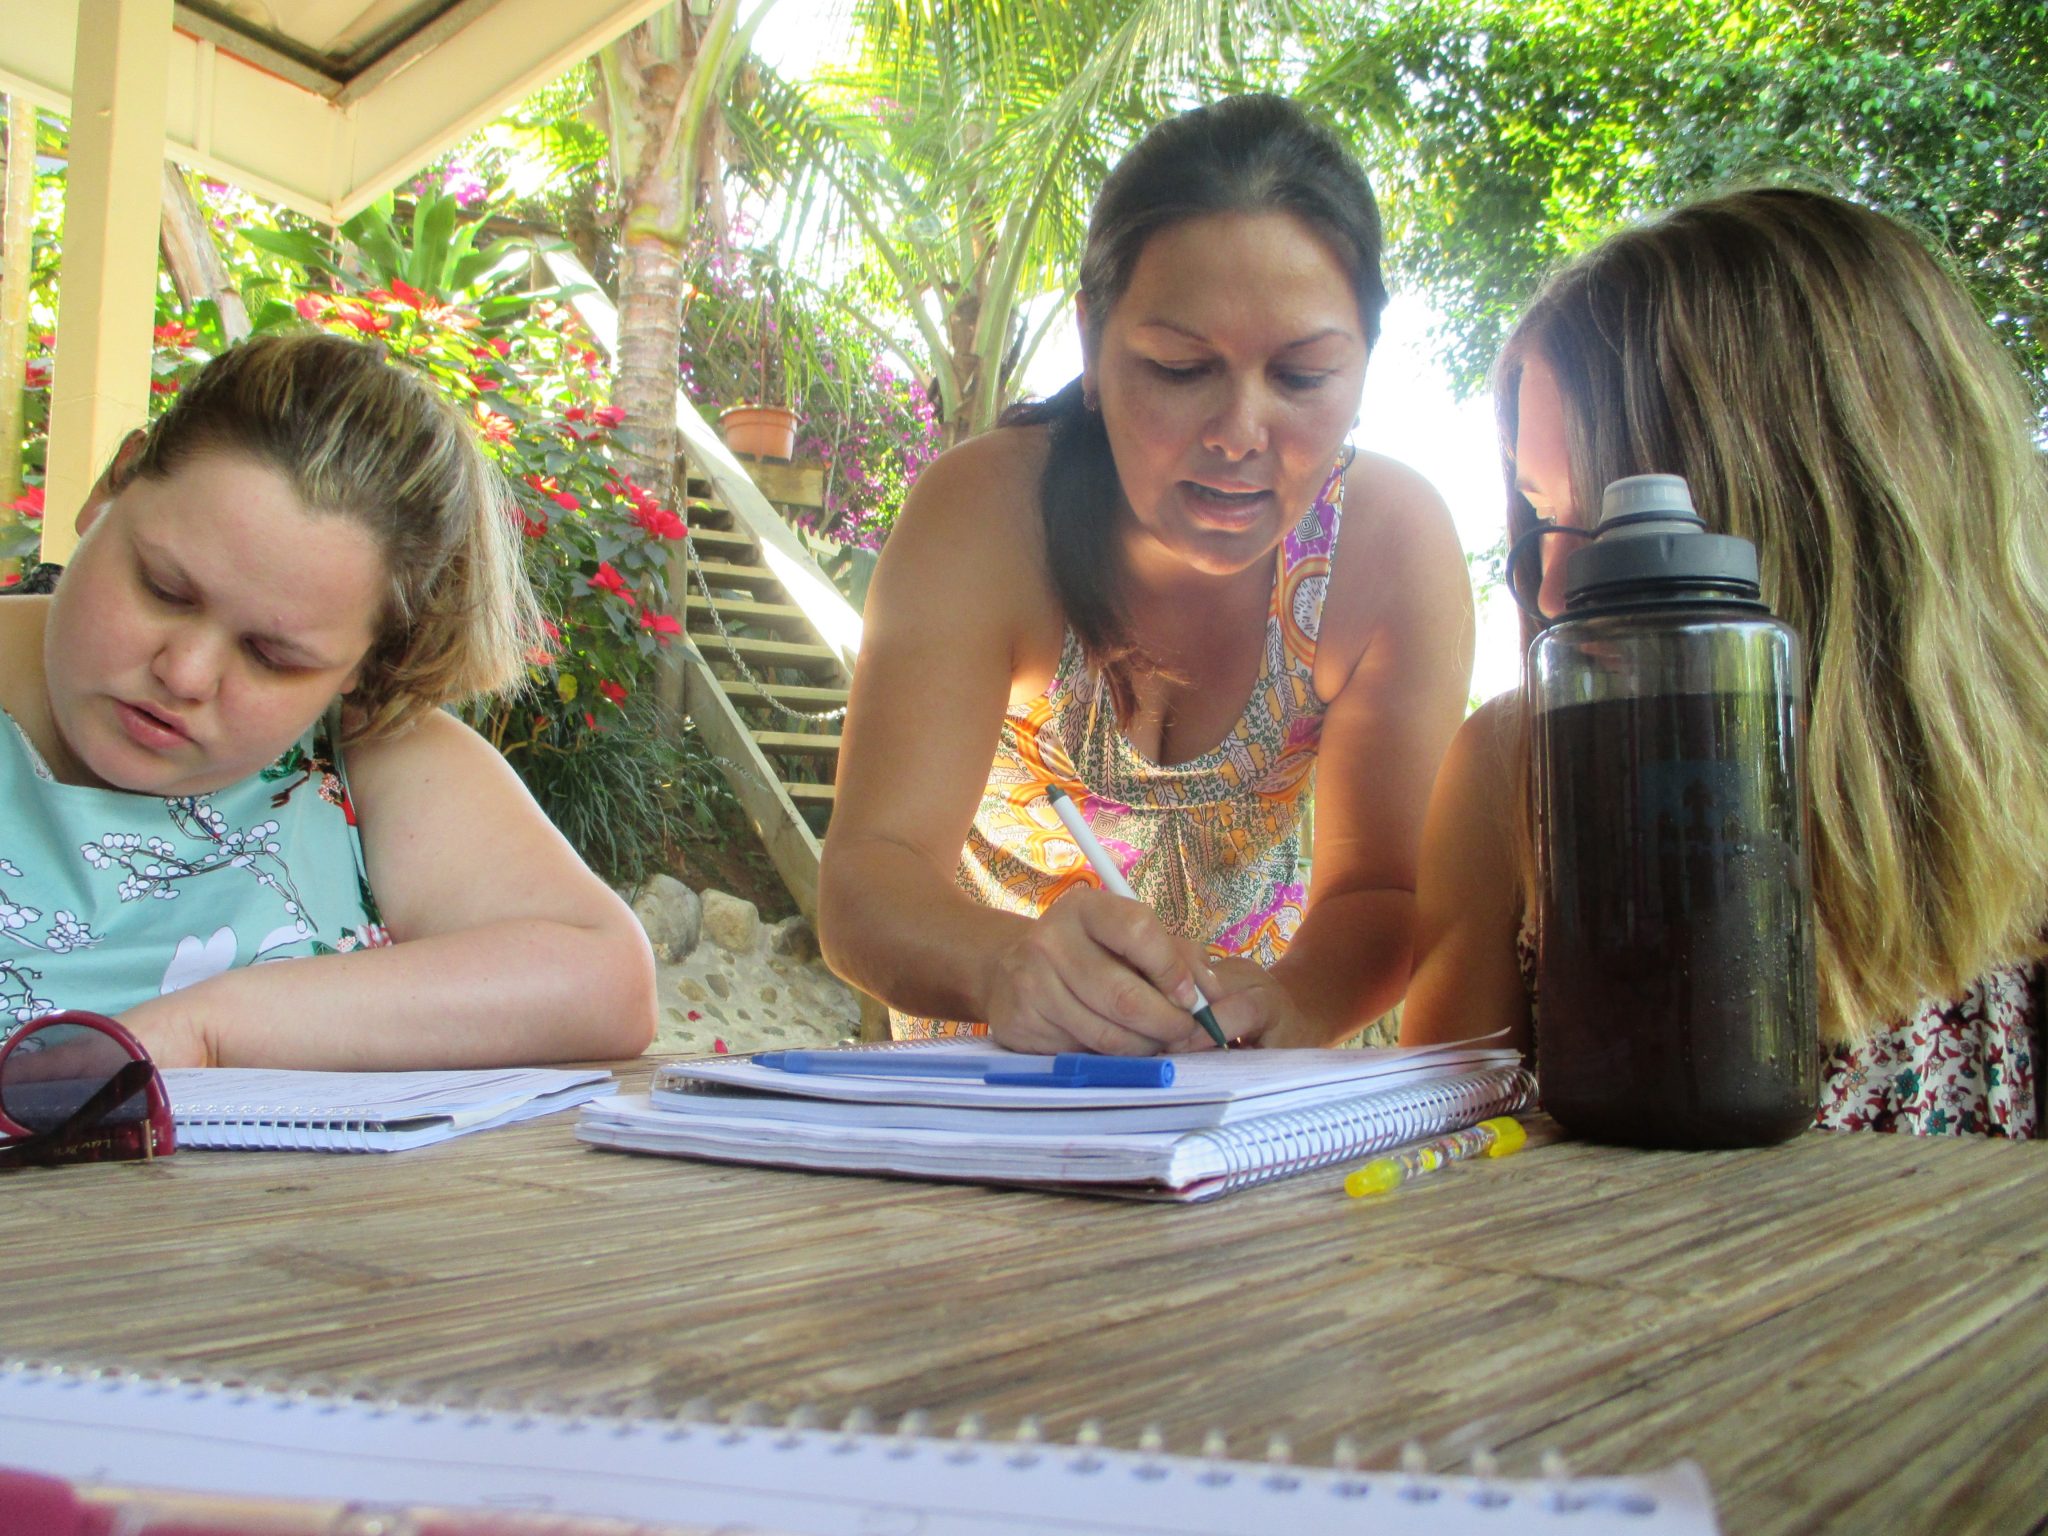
(1113, 881)
(1070, 1069)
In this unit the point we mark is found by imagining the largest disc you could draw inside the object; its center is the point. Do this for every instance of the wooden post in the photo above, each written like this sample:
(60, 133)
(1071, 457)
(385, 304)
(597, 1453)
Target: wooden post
(100, 388)
(17, 236)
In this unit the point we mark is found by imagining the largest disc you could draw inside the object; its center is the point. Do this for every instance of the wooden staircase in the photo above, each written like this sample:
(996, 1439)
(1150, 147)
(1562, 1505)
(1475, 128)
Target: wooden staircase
(768, 652)
(774, 630)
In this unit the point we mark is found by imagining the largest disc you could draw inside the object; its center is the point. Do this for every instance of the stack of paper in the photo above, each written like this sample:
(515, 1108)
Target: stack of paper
(1226, 1120)
(276, 1110)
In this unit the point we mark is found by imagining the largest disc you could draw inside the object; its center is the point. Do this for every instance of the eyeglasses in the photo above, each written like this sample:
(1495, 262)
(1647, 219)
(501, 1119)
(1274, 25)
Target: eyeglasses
(1545, 536)
(78, 1088)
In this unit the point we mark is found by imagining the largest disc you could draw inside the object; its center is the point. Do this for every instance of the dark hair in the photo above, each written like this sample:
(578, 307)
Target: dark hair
(360, 436)
(1245, 154)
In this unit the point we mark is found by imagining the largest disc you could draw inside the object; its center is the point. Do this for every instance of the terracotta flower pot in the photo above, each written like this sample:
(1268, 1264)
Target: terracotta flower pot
(765, 431)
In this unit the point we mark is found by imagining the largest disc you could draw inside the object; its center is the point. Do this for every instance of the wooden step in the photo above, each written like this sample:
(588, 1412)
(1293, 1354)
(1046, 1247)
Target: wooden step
(724, 572)
(723, 540)
(789, 653)
(783, 693)
(811, 794)
(796, 741)
(730, 608)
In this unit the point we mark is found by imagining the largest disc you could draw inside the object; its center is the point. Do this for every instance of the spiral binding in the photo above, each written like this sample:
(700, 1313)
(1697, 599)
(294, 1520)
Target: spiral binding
(913, 1437)
(1278, 1146)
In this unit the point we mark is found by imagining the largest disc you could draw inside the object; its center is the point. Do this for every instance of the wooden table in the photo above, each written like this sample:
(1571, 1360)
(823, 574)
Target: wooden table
(1848, 1333)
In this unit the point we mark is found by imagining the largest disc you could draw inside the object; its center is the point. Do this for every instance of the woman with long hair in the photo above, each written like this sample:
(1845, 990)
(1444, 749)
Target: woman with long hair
(1831, 395)
(1173, 593)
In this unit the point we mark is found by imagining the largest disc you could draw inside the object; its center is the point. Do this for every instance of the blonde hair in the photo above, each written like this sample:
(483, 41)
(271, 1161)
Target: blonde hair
(359, 437)
(1830, 393)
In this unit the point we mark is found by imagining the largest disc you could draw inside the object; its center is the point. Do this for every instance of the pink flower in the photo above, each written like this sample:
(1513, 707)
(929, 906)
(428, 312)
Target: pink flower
(609, 580)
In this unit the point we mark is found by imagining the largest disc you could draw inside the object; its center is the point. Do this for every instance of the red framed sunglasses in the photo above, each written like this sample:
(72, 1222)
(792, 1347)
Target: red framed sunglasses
(76, 1087)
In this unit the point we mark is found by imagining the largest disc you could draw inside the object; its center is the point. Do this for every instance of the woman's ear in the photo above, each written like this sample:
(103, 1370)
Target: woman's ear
(111, 478)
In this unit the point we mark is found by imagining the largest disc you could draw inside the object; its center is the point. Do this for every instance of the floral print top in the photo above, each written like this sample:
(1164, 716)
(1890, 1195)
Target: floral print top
(1211, 845)
(1966, 1066)
(108, 898)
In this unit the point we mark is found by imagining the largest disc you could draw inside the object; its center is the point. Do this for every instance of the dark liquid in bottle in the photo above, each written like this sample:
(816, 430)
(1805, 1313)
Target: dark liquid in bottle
(1675, 988)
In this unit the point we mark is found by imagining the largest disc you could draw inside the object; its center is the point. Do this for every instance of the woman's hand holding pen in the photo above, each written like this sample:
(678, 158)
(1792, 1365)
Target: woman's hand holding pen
(1255, 1009)
(1097, 973)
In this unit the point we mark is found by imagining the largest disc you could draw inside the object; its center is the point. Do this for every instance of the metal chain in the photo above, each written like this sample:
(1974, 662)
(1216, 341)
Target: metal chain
(821, 717)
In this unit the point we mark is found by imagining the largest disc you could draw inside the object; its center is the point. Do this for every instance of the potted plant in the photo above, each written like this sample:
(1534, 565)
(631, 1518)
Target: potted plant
(762, 420)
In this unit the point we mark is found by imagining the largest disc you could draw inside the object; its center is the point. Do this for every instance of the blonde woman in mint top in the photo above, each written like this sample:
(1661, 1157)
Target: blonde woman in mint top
(231, 811)
(1136, 592)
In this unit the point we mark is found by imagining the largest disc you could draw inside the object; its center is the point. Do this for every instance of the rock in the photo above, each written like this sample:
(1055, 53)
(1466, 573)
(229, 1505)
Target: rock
(719, 984)
(793, 937)
(730, 923)
(768, 994)
(671, 913)
(691, 988)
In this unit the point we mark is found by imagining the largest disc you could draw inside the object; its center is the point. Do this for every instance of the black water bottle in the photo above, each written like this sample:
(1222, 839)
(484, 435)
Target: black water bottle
(1675, 987)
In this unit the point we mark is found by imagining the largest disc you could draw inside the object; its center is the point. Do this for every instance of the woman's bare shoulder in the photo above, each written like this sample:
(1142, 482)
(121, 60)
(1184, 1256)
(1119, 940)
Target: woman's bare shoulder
(969, 537)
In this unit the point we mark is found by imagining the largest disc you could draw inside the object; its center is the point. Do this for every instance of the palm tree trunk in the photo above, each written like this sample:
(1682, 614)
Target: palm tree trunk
(193, 260)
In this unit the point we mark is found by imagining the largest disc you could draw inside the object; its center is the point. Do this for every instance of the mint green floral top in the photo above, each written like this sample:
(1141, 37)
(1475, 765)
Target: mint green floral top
(109, 898)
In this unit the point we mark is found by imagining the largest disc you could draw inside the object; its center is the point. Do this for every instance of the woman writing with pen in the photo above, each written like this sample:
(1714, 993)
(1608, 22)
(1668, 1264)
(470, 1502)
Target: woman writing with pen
(1172, 593)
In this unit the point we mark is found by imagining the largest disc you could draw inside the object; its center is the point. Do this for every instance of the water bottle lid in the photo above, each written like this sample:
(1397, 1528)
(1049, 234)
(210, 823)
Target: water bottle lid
(1651, 545)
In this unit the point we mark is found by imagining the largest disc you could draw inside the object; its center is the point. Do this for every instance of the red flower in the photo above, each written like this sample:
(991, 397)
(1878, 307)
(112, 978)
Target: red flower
(175, 335)
(574, 413)
(663, 626)
(37, 374)
(540, 656)
(363, 318)
(616, 692)
(310, 306)
(609, 580)
(29, 503)
(589, 719)
(566, 502)
(548, 625)
(493, 427)
(483, 383)
(658, 522)
(718, 1045)
(608, 416)
(533, 527)
(12, 578)
(163, 386)
(408, 295)
(693, 1015)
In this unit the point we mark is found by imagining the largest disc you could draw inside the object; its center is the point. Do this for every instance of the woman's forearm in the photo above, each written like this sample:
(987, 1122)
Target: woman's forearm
(1349, 962)
(519, 990)
(891, 926)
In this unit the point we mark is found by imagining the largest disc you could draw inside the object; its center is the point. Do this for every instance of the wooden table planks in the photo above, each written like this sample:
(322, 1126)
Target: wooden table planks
(1848, 1333)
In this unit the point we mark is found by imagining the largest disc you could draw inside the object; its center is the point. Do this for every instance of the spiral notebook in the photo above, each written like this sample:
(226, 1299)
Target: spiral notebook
(1227, 1121)
(792, 1479)
(282, 1111)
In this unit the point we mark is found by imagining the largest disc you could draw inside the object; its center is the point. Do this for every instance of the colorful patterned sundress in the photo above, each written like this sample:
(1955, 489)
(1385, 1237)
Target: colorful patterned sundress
(1212, 844)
